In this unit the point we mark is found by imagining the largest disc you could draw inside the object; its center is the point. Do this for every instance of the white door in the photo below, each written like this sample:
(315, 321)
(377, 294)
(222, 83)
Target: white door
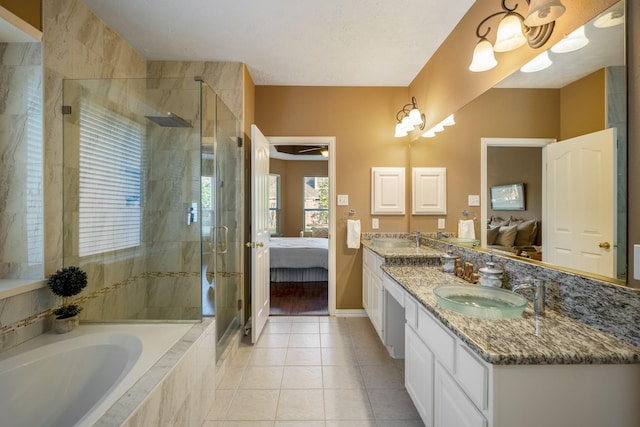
(580, 203)
(260, 292)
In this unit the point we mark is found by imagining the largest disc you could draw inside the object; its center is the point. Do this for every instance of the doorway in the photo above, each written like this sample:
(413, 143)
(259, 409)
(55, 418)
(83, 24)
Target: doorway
(307, 288)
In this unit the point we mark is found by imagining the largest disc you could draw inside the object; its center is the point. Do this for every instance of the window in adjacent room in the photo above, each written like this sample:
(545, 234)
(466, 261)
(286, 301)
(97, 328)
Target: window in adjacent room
(274, 204)
(315, 201)
(110, 216)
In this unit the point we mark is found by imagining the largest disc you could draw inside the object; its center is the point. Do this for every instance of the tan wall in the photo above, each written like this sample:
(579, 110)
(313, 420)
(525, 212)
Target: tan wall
(582, 106)
(499, 113)
(445, 84)
(511, 165)
(291, 174)
(362, 119)
(29, 11)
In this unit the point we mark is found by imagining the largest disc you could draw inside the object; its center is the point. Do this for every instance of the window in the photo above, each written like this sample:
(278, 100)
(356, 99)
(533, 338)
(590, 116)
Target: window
(274, 204)
(315, 199)
(110, 181)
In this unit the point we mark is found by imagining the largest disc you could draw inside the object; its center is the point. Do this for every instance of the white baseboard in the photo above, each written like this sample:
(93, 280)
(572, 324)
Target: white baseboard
(350, 313)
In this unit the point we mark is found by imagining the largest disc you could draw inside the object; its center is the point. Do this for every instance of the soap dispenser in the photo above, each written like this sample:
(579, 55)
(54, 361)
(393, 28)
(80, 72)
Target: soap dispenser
(491, 275)
(448, 261)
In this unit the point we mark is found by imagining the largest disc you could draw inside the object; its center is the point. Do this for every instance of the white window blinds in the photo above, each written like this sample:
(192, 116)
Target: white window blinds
(110, 181)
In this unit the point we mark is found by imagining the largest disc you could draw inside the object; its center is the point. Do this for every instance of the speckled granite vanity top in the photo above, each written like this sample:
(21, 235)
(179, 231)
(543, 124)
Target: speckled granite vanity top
(529, 340)
(421, 253)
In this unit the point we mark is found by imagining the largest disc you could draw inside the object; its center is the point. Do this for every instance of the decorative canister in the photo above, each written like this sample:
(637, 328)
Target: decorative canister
(448, 262)
(490, 275)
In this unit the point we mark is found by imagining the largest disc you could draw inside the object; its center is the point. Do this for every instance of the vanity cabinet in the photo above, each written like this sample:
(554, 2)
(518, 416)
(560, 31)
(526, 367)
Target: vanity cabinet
(372, 290)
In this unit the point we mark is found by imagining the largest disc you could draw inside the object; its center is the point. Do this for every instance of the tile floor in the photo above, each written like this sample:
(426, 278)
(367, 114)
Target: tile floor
(314, 371)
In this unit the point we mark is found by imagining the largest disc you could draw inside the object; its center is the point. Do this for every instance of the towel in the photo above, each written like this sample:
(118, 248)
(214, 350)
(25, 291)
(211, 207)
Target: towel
(466, 229)
(353, 233)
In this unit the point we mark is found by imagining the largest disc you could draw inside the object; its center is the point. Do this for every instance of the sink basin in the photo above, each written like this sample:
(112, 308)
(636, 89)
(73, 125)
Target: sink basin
(480, 301)
(388, 242)
(472, 243)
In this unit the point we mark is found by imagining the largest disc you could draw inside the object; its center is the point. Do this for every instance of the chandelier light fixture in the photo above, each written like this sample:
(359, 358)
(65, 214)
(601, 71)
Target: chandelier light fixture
(515, 29)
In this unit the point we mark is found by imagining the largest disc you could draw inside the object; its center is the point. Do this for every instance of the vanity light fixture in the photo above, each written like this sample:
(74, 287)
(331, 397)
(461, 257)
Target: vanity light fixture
(572, 42)
(538, 63)
(514, 30)
(449, 121)
(609, 19)
(409, 117)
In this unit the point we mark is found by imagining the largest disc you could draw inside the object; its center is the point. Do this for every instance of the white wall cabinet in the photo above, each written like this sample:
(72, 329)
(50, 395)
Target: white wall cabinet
(429, 191)
(387, 191)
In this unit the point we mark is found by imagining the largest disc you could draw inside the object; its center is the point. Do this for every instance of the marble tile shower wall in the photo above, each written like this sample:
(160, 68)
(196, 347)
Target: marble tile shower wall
(21, 231)
(610, 308)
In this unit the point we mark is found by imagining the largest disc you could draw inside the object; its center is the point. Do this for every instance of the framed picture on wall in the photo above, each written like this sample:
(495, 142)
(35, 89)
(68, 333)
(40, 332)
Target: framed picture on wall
(507, 197)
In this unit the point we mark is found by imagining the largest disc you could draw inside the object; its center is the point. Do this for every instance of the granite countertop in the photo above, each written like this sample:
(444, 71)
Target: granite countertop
(528, 340)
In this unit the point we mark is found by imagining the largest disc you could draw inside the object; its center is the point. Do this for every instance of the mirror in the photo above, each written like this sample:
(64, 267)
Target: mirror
(21, 142)
(600, 62)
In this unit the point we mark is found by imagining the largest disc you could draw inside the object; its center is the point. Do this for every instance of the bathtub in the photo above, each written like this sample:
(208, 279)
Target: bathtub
(73, 379)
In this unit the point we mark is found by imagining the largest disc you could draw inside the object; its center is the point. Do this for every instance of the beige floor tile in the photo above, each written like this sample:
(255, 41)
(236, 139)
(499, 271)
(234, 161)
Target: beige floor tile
(389, 404)
(351, 423)
(262, 377)
(369, 356)
(347, 404)
(277, 328)
(268, 357)
(342, 377)
(335, 340)
(303, 356)
(241, 357)
(231, 378)
(399, 423)
(213, 424)
(280, 319)
(305, 423)
(335, 328)
(302, 377)
(248, 424)
(305, 328)
(220, 405)
(338, 356)
(273, 341)
(382, 376)
(253, 405)
(304, 340)
(308, 319)
(300, 405)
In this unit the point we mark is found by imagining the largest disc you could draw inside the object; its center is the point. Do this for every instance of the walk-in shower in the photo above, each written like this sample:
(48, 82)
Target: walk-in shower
(152, 200)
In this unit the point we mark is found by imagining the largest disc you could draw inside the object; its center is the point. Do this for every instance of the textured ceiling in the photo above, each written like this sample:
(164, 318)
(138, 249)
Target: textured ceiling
(291, 42)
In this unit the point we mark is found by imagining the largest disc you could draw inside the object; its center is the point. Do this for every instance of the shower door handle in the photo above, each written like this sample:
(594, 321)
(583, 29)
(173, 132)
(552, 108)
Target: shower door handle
(225, 242)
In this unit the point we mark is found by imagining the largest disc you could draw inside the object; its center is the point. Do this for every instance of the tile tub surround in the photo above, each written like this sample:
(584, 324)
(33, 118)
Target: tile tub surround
(177, 391)
(528, 340)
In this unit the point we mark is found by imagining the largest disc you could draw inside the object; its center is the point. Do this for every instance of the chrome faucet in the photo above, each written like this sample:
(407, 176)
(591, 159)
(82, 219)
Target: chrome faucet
(538, 288)
(417, 234)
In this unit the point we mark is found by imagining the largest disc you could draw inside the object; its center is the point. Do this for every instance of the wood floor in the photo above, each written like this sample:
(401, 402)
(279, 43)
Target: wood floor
(299, 299)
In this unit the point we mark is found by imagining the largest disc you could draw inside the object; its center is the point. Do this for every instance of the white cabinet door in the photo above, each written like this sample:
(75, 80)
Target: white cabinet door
(376, 304)
(429, 191)
(387, 191)
(451, 406)
(418, 375)
(366, 288)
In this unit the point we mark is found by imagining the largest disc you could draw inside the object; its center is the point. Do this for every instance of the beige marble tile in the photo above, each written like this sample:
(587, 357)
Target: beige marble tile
(268, 357)
(262, 377)
(253, 405)
(390, 404)
(347, 404)
(273, 341)
(300, 405)
(335, 340)
(382, 376)
(304, 340)
(303, 356)
(305, 328)
(342, 377)
(344, 356)
(302, 377)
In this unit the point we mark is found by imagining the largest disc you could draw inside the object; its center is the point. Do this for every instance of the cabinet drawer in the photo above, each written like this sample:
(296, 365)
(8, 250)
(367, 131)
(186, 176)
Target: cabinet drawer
(371, 260)
(394, 289)
(472, 375)
(437, 338)
(411, 312)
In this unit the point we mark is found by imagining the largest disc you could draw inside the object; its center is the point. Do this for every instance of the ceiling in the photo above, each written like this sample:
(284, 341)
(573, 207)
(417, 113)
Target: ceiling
(291, 42)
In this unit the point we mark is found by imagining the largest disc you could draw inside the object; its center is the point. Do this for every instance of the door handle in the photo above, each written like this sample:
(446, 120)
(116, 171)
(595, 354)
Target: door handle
(254, 244)
(605, 245)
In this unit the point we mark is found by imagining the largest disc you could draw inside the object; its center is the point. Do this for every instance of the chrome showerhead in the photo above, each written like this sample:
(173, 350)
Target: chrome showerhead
(171, 120)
